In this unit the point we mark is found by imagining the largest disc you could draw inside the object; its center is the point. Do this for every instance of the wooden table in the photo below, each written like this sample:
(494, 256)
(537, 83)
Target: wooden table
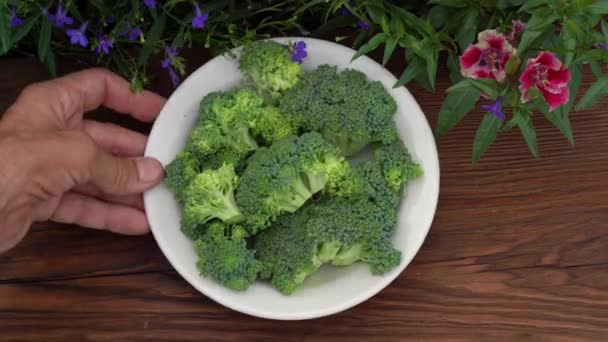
(518, 251)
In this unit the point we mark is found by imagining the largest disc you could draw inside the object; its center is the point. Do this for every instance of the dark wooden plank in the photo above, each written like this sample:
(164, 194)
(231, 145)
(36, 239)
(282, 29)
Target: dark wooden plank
(444, 300)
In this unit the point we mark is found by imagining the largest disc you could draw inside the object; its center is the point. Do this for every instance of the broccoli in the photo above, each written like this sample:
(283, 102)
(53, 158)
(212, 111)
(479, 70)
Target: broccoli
(337, 230)
(223, 125)
(268, 65)
(348, 109)
(224, 257)
(397, 164)
(282, 177)
(179, 174)
(210, 196)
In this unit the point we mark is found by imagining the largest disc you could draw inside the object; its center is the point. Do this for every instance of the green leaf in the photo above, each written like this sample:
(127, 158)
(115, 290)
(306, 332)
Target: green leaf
(456, 105)
(49, 62)
(396, 26)
(595, 68)
(559, 117)
(384, 25)
(431, 67)
(151, 40)
(450, 3)
(5, 29)
(569, 41)
(391, 43)
(595, 93)
(44, 39)
(486, 133)
(539, 22)
(530, 5)
(468, 29)
(438, 16)
(486, 85)
(413, 70)
(599, 7)
(359, 40)
(524, 122)
(24, 29)
(605, 30)
(454, 67)
(371, 45)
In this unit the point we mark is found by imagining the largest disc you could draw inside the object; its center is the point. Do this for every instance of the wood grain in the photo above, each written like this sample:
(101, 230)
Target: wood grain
(518, 251)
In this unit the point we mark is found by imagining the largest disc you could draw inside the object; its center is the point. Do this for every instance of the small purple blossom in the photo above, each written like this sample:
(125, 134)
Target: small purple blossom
(104, 44)
(174, 77)
(134, 33)
(495, 108)
(150, 3)
(604, 46)
(15, 20)
(364, 25)
(200, 18)
(60, 17)
(166, 64)
(344, 12)
(299, 52)
(78, 36)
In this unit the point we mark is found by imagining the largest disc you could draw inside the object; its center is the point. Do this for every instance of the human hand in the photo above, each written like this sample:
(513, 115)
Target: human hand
(55, 165)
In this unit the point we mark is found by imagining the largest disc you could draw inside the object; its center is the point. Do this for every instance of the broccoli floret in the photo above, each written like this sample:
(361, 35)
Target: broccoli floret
(268, 65)
(397, 165)
(210, 196)
(223, 125)
(374, 186)
(340, 231)
(179, 174)
(282, 177)
(287, 253)
(224, 257)
(269, 124)
(346, 107)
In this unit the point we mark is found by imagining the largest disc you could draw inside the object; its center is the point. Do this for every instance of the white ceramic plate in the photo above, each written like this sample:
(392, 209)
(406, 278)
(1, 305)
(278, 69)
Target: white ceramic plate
(333, 289)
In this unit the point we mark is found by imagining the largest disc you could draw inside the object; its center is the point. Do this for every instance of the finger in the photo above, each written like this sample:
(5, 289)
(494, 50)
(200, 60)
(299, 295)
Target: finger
(133, 201)
(61, 102)
(92, 213)
(115, 139)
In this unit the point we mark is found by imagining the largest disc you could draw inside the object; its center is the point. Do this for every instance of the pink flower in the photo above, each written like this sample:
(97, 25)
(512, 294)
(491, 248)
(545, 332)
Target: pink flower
(487, 58)
(518, 27)
(549, 76)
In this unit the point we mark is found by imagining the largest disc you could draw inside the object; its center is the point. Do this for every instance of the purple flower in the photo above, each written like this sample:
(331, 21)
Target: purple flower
(150, 3)
(200, 18)
(299, 52)
(166, 64)
(363, 25)
(15, 20)
(495, 107)
(78, 36)
(134, 33)
(344, 11)
(60, 17)
(604, 46)
(174, 78)
(104, 45)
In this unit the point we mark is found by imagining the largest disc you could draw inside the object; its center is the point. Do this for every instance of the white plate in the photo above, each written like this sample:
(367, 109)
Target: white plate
(333, 289)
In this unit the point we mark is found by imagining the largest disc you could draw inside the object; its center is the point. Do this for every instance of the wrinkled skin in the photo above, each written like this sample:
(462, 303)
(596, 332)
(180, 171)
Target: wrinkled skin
(56, 165)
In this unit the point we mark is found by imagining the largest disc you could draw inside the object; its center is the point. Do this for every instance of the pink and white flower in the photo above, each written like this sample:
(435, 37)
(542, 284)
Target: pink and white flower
(487, 58)
(549, 75)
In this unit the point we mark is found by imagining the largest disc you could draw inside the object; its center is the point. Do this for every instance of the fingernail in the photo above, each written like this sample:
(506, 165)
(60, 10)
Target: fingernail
(149, 169)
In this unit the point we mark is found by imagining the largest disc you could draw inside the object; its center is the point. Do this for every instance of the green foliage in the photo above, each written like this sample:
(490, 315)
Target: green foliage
(417, 33)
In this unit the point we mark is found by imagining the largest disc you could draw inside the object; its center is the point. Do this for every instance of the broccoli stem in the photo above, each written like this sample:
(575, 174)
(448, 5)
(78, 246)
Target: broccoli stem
(348, 256)
(301, 194)
(316, 181)
(328, 251)
(230, 212)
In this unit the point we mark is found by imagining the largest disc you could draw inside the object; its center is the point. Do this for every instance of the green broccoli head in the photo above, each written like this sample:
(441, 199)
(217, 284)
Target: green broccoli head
(270, 124)
(179, 174)
(361, 228)
(284, 176)
(223, 124)
(210, 196)
(287, 253)
(224, 256)
(346, 107)
(268, 65)
(397, 165)
(373, 185)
